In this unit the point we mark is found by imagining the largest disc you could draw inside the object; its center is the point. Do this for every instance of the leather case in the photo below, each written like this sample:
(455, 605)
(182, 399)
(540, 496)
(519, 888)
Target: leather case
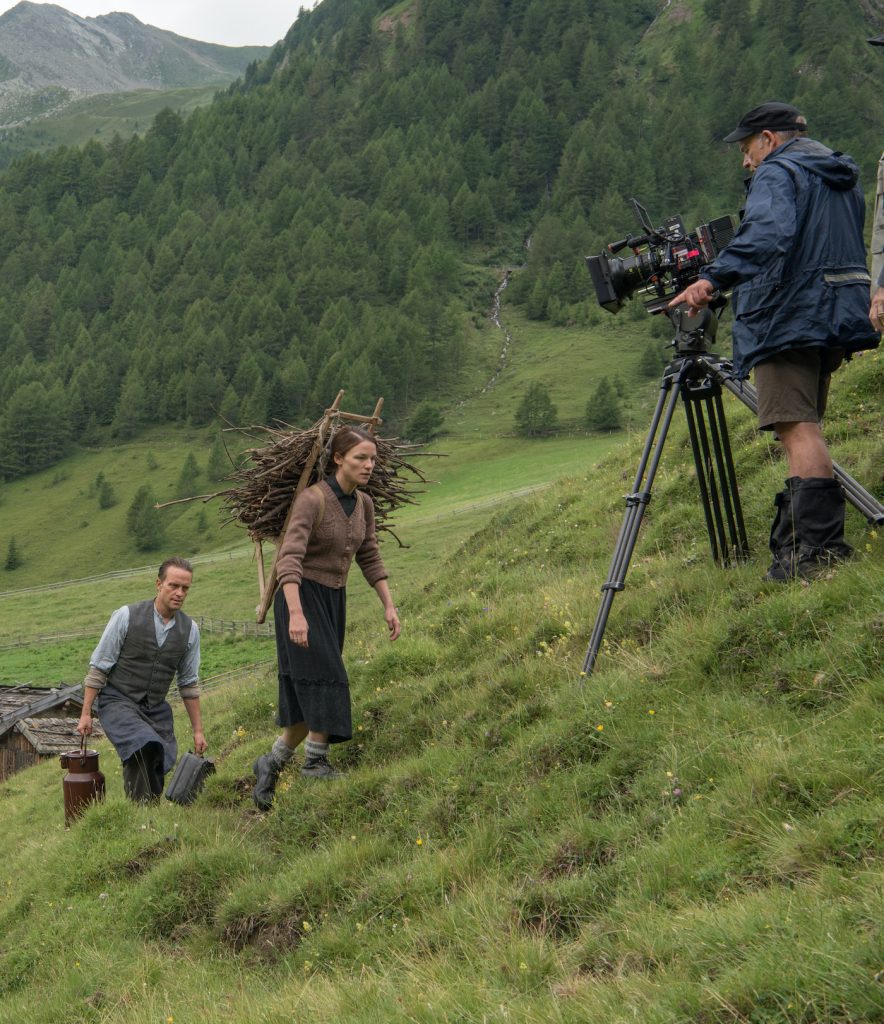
(190, 774)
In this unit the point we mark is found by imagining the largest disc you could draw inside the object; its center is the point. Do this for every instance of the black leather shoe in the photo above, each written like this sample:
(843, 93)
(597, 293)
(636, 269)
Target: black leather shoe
(267, 773)
(320, 768)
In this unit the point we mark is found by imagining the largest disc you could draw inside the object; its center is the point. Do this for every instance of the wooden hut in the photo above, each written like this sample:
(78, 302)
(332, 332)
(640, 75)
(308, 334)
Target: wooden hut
(37, 723)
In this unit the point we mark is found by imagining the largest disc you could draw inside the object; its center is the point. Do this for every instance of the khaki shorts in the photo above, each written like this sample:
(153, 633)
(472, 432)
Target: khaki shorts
(793, 386)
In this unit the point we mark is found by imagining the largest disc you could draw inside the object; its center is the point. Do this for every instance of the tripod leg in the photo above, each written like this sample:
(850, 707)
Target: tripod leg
(636, 502)
(709, 496)
(721, 443)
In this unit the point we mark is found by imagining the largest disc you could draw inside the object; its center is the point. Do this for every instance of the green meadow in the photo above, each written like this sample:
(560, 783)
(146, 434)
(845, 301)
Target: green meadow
(101, 117)
(692, 834)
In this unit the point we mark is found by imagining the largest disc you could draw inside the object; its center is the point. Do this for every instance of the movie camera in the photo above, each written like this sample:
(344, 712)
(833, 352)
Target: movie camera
(664, 260)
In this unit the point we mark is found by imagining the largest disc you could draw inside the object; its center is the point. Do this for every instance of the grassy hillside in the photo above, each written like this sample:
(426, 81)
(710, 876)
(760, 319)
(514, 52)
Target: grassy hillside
(100, 117)
(691, 835)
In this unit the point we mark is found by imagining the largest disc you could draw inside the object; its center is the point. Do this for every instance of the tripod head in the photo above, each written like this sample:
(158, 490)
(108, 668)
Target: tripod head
(695, 334)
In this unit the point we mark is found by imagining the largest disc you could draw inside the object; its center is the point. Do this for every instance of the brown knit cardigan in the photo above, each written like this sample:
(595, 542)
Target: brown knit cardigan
(324, 552)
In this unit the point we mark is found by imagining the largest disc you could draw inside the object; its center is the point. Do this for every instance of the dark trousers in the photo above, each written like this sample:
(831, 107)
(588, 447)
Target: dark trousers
(143, 776)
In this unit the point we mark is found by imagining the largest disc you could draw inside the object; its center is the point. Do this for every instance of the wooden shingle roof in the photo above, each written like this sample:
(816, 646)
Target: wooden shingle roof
(18, 702)
(49, 736)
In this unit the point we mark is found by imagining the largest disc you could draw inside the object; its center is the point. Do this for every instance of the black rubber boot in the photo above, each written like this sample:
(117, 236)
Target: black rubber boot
(818, 504)
(143, 775)
(783, 540)
(267, 773)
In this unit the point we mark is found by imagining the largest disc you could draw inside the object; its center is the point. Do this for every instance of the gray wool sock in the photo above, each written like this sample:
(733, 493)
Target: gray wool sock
(280, 754)
(313, 750)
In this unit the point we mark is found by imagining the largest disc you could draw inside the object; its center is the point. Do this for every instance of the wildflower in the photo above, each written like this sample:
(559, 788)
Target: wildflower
(418, 841)
(651, 711)
(609, 703)
(523, 966)
(307, 926)
(599, 728)
(669, 775)
(307, 966)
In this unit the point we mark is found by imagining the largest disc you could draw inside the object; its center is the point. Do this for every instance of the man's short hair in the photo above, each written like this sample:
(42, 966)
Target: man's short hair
(773, 117)
(174, 562)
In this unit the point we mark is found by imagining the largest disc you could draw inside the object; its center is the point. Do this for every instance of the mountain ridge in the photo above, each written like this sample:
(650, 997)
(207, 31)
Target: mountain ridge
(50, 57)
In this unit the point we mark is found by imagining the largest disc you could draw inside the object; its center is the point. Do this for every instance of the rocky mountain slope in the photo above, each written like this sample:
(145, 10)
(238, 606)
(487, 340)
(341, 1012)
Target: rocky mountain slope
(49, 57)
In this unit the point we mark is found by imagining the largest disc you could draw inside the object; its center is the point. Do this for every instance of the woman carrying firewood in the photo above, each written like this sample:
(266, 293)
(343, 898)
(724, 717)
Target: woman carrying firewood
(331, 523)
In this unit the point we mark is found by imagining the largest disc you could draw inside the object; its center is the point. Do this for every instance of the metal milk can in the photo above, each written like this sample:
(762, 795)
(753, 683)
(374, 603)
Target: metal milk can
(83, 783)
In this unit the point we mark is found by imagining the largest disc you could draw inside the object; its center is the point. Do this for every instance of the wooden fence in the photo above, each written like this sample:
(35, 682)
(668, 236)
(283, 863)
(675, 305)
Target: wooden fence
(207, 625)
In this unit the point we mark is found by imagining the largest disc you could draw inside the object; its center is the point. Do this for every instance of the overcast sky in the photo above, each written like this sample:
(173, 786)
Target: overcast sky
(231, 22)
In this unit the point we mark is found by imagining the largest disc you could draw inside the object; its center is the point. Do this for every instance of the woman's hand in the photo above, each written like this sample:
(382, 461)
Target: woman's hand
(393, 624)
(298, 628)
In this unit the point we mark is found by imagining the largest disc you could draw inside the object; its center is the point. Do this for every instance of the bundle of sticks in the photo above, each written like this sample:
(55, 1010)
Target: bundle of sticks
(267, 479)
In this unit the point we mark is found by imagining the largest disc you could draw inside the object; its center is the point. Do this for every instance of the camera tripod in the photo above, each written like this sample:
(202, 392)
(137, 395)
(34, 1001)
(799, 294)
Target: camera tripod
(698, 378)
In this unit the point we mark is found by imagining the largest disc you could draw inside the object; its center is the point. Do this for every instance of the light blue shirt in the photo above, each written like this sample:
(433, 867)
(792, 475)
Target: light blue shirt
(107, 653)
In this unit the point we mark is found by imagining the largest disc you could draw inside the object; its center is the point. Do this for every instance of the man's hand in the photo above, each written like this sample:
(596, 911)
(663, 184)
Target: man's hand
(199, 743)
(84, 726)
(876, 310)
(697, 296)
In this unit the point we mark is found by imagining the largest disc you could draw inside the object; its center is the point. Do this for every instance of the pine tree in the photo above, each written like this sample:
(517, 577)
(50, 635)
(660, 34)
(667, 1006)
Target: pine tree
(425, 423)
(144, 520)
(603, 409)
(107, 497)
(13, 557)
(536, 414)
(218, 465)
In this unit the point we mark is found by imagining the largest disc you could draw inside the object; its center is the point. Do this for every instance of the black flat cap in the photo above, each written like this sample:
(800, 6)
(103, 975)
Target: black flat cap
(774, 117)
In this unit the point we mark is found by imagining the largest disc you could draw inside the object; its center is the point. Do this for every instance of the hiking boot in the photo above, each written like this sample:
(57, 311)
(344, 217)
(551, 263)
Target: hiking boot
(267, 773)
(320, 768)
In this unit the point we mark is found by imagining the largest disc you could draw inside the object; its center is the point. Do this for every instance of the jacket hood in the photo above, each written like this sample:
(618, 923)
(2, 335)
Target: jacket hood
(837, 170)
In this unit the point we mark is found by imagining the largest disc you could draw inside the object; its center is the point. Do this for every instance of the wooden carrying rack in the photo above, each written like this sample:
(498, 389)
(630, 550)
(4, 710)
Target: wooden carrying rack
(327, 426)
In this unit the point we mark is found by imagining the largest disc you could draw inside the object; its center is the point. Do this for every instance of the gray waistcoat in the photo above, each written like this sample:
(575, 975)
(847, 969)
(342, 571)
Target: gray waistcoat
(144, 670)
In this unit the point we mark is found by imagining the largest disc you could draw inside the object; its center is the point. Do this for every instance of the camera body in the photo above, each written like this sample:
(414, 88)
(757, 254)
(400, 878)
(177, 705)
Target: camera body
(664, 261)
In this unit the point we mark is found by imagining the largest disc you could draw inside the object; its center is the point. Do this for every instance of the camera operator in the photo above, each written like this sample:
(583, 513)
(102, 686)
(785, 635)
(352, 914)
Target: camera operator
(876, 310)
(797, 267)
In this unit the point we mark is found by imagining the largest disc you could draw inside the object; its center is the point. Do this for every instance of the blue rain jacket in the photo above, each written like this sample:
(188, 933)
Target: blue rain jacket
(797, 265)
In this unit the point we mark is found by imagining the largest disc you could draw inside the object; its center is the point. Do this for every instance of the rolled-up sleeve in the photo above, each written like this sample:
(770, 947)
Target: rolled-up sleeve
(189, 666)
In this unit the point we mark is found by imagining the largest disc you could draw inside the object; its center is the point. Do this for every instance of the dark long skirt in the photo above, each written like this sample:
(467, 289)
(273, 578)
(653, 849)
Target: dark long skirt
(313, 683)
(130, 726)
